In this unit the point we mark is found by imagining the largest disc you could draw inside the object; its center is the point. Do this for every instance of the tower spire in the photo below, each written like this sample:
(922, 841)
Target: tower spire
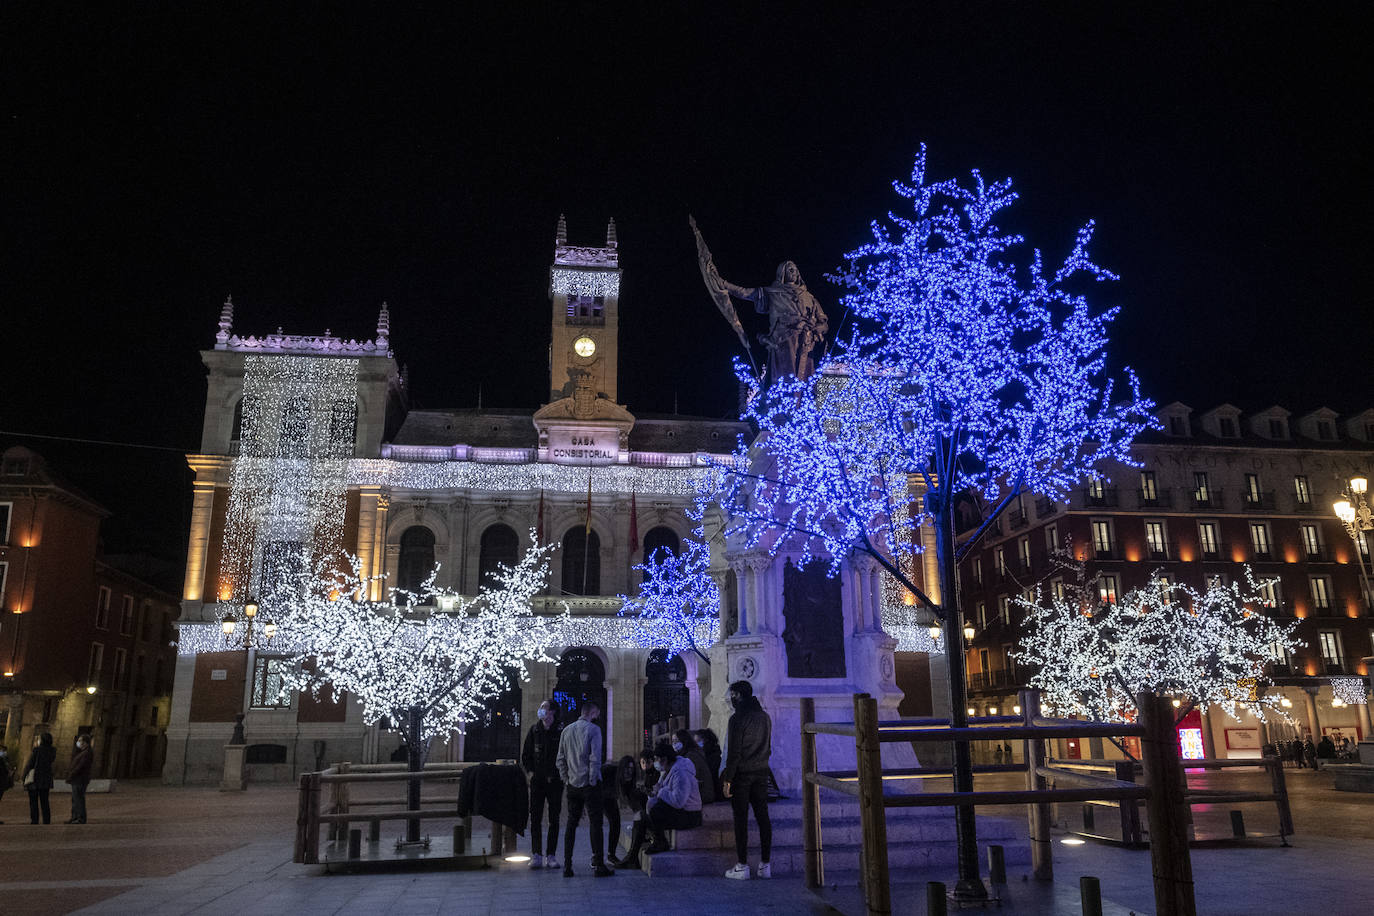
(610, 234)
(561, 236)
(226, 321)
(384, 328)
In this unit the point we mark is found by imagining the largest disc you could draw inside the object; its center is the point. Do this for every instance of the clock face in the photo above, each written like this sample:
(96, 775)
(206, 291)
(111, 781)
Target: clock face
(584, 347)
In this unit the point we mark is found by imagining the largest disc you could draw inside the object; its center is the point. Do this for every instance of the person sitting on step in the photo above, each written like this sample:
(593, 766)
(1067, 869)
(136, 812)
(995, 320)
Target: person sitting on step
(675, 806)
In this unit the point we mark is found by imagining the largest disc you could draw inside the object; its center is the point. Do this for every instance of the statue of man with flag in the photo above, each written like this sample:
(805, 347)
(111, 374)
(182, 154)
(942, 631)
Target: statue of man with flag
(796, 321)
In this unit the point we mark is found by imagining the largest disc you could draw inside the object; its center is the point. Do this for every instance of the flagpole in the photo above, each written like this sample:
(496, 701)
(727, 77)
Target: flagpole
(587, 533)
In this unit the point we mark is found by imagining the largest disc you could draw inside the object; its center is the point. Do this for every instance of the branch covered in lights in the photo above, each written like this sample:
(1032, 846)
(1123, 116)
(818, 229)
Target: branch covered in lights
(1091, 657)
(678, 607)
(451, 661)
(964, 371)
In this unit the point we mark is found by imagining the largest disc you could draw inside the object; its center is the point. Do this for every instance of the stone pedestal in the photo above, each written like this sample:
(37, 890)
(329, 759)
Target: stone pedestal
(235, 769)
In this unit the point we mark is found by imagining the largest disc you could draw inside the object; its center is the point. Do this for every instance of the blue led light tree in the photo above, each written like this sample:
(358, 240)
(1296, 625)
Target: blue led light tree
(678, 607)
(963, 372)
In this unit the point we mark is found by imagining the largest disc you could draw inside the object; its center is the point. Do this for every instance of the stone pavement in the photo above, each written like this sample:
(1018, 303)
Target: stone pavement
(155, 849)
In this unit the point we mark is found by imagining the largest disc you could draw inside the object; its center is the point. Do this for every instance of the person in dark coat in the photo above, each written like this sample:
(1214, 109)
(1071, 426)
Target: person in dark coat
(79, 777)
(684, 745)
(539, 758)
(619, 781)
(1295, 752)
(749, 745)
(6, 773)
(710, 749)
(1309, 753)
(40, 765)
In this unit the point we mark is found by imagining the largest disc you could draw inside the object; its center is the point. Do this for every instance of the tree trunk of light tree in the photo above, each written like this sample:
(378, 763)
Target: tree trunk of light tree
(941, 509)
(415, 760)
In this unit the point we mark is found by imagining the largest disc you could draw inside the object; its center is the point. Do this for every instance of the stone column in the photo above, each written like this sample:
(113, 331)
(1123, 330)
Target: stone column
(377, 589)
(875, 594)
(741, 571)
(1309, 695)
(856, 596)
(1208, 743)
(367, 524)
(202, 513)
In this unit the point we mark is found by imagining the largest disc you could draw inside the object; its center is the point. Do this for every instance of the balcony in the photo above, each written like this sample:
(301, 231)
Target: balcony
(1154, 499)
(1106, 553)
(1258, 502)
(1319, 555)
(1335, 667)
(1207, 499)
(1044, 506)
(1261, 556)
(1105, 498)
(1161, 553)
(985, 680)
(1016, 520)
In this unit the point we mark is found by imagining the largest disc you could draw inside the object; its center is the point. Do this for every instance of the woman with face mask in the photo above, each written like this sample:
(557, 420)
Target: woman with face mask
(38, 777)
(539, 758)
(685, 746)
(676, 805)
(79, 777)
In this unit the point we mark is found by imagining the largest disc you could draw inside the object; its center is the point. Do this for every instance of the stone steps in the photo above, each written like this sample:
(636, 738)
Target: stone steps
(917, 838)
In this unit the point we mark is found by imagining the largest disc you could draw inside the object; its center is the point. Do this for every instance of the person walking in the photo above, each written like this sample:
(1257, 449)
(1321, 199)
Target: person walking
(539, 757)
(38, 777)
(579, 766)
(79, 777)
(6, 773)
(748, 746)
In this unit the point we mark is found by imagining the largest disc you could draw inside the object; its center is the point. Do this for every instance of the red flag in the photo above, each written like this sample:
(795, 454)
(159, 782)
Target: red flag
(539, 528)
(634, 525)
(587, 529)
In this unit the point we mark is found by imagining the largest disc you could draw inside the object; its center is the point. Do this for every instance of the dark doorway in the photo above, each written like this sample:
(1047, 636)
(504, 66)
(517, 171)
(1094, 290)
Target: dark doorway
(496, 736)
(659, 542)
(581, 562)
(814, 635)
(665, 696)
(581, 677)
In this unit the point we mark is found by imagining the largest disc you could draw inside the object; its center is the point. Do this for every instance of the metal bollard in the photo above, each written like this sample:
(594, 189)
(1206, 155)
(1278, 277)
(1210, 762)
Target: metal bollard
(1090, 890)
(460, 839)
(374, 830)
(937, 903)
(997, 865)
(355, 843)
(1238, 824)
(1088, 823)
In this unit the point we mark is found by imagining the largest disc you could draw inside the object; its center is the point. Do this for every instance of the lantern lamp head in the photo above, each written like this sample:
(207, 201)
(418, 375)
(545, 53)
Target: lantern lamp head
(228, 624)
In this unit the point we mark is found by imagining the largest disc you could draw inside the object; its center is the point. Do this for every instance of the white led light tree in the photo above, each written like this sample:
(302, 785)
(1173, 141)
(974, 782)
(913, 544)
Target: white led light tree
(428, 669)
(963, 372)
(678, 607)
(1209, 649)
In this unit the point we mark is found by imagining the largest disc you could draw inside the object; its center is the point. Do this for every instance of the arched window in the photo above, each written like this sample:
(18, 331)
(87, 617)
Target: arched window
(665, 696)
(500, 546)
(581, 677)
(659, 540)
(581, 562)
(417, 558)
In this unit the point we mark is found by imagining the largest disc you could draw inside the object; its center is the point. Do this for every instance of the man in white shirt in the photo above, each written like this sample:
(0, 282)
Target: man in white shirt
(579, 766)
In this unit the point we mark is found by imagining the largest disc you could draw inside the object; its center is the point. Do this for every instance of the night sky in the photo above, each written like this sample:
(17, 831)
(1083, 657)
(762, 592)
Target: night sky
(313, 164)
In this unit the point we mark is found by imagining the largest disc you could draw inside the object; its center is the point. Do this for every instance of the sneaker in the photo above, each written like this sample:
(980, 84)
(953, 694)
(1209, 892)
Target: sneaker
(766, 870)
(552, 862)
(568, 872)
(536, 861)
(602, 871)
(738, 872)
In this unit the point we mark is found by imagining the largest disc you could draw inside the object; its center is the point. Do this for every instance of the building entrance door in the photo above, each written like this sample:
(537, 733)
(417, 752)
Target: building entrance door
(581, 677)
(665, 696)
(496, 736)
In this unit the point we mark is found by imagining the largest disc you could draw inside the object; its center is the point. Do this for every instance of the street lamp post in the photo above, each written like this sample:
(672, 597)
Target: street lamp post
(1356, 513)
(246, 634)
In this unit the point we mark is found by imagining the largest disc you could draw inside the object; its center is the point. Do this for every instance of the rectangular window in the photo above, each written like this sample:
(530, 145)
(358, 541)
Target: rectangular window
(1217, 580)
(1096, 489)
(1275, 428)
(1259, 540)
(1051, 539)
(268, 684)
(1330, 642)
(978, 570)
(1228, 427)
(1023, 549)
(121, 661)
(1271, 594)
(1207, 539)
(4, 573)
(1057, 588)
(1325, 430)
(1202, 491)
(1321, 592)
(1155, 540)
(1106, 589)
(102, 609)
(982, 615)
(1176, 426)
(1149, 491)
(1311, 541)
(1252, 488)
(999, 560)
(1301, 491)
(1004, 608)
(126, 616)
(6, 510)
(1279, 652)
(94, 663)
(1102, 537)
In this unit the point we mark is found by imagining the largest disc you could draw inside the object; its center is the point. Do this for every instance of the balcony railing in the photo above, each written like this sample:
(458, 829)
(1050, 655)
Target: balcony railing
(1105, 498)
(1319, 555)
(984, 679)
(1258, 502)
(1160, 554)
(1044, 506)
(1016, 520)
(1207, 499)
(1336, 667)
(1154, 499)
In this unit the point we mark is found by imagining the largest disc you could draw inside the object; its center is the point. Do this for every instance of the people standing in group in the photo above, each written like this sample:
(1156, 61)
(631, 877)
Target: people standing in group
(579, 766)
(1295, 750)
(79, 777)
(38, 777)
(710, 748)
(675, 805)
(1309, 753)
(684, 745)
(6, 773)
(539, 757)
(749, 745)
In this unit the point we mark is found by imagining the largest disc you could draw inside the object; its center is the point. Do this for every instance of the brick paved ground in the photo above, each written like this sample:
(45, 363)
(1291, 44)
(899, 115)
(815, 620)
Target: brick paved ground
(153, 849)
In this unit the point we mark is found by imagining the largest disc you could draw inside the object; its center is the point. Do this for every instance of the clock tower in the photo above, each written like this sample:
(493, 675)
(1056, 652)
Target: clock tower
(584, 289)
